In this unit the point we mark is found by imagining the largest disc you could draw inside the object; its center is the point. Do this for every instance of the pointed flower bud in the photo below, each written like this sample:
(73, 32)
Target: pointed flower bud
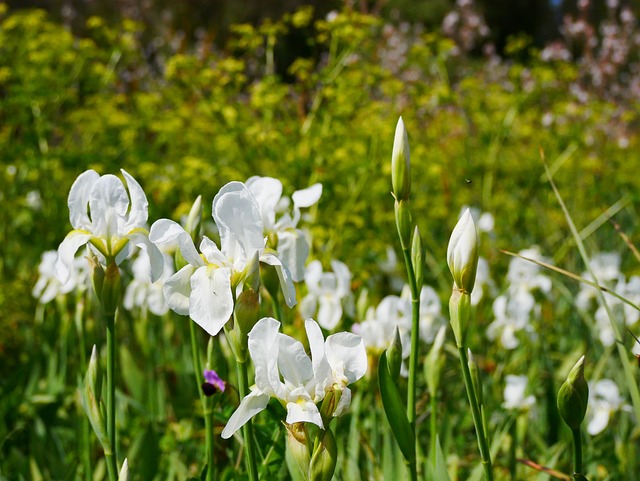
(330, 405)
(194, 219)
(462, 253)
(434, 362)
(91, 403)
(417, 257)
(394, 355)
(574, 396)
(252, 273)
(246, 311)
(124, 471)
(475, 376)
(400, 165)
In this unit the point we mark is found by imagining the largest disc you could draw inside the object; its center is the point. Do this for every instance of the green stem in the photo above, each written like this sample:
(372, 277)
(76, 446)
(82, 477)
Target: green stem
(208, 426)
(475, 413)
(110, 454)
(433, 427)
(247, 429)
(413, 359)
(577, 452)
(85, 438)
(207, 403)
(513, 432)
(208, 420)
(277, 311)
(195, 357)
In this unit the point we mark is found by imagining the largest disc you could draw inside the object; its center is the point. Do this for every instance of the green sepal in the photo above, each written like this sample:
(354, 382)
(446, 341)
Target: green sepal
(324, 458)
(111, 289)
(403, 222)
(297, 455)
(459, 311)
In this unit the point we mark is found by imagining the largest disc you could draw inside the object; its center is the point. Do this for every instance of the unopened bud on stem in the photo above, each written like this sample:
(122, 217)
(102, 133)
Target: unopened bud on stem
(394, 355)
(574, 396)
(400, 165)
(403, 222)
(462, 253)
(194, 220)
(459, 312)
(323, 460)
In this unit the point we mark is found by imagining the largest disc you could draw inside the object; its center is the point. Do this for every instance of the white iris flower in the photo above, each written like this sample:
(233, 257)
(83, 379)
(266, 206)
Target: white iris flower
(291, 244)
(284, 370)
(205, 288)
(328, 293)
(114, 220)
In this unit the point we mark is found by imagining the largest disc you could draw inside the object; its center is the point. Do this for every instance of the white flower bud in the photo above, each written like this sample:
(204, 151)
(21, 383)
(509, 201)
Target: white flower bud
(400, 165)
(462, 253)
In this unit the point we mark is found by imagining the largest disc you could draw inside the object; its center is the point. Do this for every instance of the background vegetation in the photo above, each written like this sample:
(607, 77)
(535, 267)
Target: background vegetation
(186, 117)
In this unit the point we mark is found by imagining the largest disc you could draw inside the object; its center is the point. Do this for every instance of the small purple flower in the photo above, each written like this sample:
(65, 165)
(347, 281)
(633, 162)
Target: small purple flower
(212, 383)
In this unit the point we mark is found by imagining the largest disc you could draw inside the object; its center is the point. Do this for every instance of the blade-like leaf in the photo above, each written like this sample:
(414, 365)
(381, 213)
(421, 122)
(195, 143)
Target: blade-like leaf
(438, 466)
(395, 411)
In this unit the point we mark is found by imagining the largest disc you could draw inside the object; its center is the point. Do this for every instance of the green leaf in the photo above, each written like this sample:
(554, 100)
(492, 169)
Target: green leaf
(438, 466)
(395, 411)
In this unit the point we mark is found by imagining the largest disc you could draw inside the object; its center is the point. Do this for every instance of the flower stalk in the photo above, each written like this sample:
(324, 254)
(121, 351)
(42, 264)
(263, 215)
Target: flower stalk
(110, 454)
(573, 398)
(412, 253)
(462, 257)
(247, 429)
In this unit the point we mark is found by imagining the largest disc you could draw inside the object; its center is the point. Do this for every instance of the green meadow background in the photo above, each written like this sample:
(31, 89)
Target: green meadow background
(184, 118)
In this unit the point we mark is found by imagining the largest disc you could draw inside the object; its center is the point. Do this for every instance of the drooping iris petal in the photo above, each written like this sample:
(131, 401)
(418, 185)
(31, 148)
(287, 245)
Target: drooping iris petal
(343, 277)
(329, 311)
(211, 301)
(251, 405)
(308, 306)
(177, 290)
(79, 199)
(313, 275)
(303, 412)
(67, 251)
(140, 239)
(293, 250)
(286, 283)
(264, 345)
(165, 232)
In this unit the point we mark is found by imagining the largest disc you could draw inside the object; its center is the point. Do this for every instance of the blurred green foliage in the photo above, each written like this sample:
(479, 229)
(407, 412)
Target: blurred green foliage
(476, 130)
